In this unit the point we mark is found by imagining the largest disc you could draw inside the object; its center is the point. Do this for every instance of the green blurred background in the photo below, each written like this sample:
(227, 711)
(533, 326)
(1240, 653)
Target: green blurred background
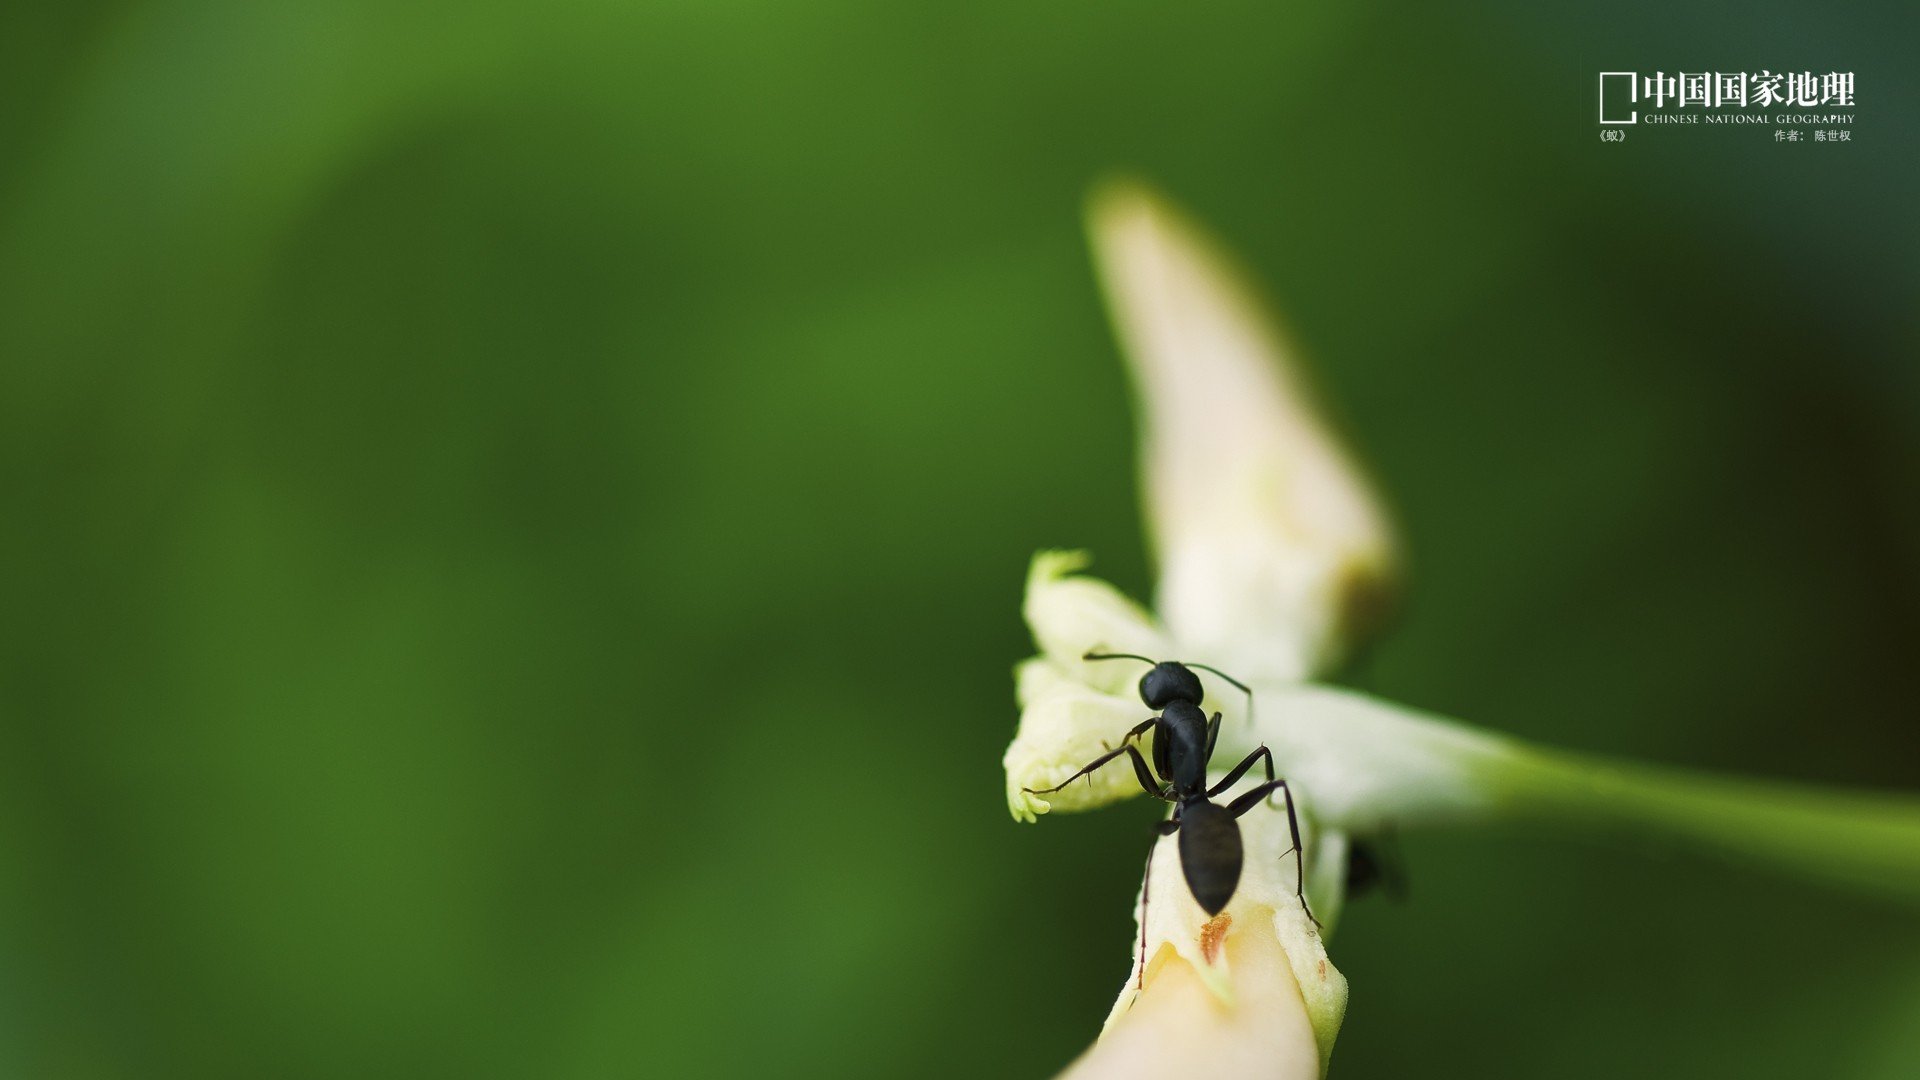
(515, 517)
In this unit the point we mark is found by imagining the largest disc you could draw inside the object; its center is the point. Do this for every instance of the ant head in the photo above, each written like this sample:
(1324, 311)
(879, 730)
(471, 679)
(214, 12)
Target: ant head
(1168, 682)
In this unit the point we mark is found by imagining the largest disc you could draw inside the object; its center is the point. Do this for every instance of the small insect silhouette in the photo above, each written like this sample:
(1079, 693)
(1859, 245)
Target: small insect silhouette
(1211, 854)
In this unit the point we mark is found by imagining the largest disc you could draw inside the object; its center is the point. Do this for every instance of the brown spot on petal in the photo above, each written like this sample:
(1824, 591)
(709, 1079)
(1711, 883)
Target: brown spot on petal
(1213, 935)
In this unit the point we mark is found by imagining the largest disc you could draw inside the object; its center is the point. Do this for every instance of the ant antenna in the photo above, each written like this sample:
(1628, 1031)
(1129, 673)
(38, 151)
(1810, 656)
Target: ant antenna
(1244, 688)
(1091, 655)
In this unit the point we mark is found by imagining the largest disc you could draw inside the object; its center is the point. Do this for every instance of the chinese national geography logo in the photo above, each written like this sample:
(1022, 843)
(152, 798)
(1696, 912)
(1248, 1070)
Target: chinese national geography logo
(1780, 99)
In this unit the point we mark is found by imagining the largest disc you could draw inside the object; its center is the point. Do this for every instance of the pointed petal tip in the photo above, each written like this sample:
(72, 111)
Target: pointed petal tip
(1274, 550)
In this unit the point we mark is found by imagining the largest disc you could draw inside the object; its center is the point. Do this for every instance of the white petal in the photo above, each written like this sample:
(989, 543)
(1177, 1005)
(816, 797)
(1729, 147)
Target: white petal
(1070, 614)
(1368, 764)
(1274, 553)
(1178, 1028)
(1271, 978)
(1064, 725)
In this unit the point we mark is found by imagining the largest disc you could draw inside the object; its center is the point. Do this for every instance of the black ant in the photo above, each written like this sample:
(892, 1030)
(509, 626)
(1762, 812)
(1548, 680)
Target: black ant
(1210, 850)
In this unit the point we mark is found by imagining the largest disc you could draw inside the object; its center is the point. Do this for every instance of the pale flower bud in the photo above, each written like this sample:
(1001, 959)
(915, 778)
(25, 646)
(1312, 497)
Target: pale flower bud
(1274, 554)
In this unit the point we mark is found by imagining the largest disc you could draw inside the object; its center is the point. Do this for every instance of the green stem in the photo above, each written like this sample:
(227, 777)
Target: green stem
(1867, 841)
(1370, 763)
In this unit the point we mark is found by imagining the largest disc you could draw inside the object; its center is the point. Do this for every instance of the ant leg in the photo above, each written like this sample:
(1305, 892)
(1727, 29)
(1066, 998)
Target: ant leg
(1138, 730)
(1146, 897)
(1251, 799)
(1240, 770)
(1213, 735)
(1148, 782)
(1140, 772)
(1164, 828)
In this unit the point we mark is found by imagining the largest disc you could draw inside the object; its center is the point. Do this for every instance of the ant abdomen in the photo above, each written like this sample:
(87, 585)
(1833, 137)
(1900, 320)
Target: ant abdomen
(1210, 854)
